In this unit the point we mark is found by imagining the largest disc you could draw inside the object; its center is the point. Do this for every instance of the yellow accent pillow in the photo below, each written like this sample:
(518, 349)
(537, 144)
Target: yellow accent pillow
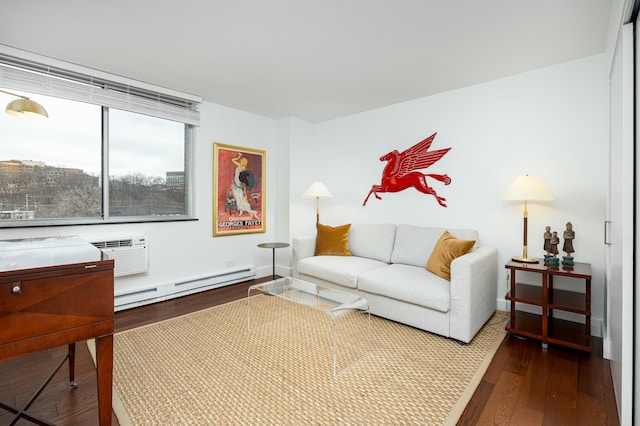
(332, 241)
(447, 248)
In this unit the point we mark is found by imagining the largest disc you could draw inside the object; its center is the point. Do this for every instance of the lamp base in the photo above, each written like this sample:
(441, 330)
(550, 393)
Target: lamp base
(525, 259)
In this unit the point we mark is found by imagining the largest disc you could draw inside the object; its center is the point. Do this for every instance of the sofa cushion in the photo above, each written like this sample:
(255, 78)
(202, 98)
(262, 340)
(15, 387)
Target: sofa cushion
(374, 241)
(332, 240)
(342, 270)
(414, 244)
(408, 283)
(447, 248)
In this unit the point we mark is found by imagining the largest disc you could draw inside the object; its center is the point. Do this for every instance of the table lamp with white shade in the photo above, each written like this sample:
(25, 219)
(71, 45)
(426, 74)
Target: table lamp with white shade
(527, 188)
(317, 190)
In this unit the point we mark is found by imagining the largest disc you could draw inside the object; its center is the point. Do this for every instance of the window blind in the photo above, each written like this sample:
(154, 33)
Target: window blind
(96, 88)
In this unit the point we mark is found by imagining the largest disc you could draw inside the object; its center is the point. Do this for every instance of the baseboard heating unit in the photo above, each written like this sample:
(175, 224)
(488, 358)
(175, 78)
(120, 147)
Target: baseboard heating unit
(126, 299)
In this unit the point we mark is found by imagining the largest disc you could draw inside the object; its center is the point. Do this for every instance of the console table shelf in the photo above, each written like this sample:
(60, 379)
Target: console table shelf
(544, 326)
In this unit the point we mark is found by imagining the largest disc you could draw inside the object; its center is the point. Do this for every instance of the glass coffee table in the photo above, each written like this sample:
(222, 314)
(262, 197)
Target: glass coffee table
(346, 312)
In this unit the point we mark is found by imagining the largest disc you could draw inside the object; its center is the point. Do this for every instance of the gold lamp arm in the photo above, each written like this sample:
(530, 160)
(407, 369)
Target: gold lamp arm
(14, 94)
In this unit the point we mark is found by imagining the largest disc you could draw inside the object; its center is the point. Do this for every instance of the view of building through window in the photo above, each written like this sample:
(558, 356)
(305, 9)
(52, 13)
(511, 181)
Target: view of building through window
(52, 169)
(142, 152)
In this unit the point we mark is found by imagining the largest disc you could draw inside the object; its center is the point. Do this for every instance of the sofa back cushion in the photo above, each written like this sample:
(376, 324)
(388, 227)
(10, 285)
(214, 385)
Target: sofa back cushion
(414, 244)
(373, 241)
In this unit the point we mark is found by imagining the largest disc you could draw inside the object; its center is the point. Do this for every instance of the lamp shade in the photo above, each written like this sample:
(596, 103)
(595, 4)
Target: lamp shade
(24, 107)
(317, 190)
(527, 188)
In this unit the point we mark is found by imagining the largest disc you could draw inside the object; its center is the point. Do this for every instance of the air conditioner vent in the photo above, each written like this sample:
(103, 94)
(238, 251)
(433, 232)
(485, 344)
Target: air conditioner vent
(128, 242)
(130, 254)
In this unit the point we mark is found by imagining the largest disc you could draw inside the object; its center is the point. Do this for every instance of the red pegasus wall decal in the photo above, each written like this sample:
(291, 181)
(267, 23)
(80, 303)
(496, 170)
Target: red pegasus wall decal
(401, 172)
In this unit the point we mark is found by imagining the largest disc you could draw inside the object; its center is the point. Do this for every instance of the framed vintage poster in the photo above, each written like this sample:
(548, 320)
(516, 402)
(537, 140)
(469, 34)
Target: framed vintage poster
(239, 188)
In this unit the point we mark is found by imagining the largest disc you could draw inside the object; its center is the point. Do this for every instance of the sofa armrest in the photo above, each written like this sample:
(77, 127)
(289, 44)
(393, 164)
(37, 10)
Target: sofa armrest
(473, 292)
(303, 247)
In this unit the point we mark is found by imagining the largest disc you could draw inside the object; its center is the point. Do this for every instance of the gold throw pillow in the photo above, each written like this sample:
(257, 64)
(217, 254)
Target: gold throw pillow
(447, 248)
(332, 240)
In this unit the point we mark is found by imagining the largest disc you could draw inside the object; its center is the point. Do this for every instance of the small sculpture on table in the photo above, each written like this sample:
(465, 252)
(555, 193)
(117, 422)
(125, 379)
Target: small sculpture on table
(569, 235)
(553, 249)
(547, 244)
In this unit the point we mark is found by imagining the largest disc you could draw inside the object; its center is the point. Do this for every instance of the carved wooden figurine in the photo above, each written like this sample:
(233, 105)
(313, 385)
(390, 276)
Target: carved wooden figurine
(569, 236)
(555, 240)
(547, 239)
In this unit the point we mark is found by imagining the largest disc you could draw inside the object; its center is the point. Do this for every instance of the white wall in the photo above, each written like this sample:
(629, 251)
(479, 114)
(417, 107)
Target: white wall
(186, 250)
(551, 122)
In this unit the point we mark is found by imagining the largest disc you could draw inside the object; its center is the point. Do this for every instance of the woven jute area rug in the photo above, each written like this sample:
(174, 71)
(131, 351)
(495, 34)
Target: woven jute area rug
(207, 368)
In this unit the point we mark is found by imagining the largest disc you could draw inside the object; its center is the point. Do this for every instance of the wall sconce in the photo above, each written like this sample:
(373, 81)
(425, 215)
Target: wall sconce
(317, 190)
(25, 107)
(527, 188)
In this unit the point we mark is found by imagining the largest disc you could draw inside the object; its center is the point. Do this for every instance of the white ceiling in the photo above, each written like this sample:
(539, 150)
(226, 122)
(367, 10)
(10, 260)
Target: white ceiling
(311, 59)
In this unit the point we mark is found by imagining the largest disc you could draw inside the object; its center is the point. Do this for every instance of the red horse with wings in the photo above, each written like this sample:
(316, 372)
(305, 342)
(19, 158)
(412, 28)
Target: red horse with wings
(401, 171)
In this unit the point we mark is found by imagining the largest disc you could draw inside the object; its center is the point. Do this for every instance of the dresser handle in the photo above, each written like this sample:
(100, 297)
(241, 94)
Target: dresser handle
(16, 288)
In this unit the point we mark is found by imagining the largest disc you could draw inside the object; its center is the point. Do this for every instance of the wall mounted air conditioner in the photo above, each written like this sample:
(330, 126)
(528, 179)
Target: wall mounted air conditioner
(130, 254)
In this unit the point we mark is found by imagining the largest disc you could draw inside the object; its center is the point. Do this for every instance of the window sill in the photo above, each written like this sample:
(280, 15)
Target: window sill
(37, 223)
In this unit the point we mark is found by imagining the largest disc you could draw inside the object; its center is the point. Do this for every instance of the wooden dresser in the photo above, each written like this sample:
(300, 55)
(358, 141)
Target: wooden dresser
(53, 292)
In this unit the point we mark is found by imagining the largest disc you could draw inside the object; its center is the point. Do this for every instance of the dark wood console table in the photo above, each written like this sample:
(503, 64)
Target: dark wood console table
(544, 326)
(55, 292)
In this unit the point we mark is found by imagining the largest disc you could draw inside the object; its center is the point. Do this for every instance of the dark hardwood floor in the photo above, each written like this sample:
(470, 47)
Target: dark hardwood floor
(524, 385)
(528, 385)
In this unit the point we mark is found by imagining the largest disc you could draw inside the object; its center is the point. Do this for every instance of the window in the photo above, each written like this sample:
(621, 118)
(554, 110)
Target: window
(50, 169)
(120, 159)
(146, 154)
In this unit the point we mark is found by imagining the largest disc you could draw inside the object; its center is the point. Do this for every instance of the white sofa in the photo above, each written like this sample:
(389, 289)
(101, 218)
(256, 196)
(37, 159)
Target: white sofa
(388, 268)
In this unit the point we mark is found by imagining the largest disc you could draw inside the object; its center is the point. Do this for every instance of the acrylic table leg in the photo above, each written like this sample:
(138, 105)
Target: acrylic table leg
(104, 366)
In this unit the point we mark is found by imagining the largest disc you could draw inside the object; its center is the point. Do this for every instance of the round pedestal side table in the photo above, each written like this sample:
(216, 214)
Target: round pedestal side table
(273, 247)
